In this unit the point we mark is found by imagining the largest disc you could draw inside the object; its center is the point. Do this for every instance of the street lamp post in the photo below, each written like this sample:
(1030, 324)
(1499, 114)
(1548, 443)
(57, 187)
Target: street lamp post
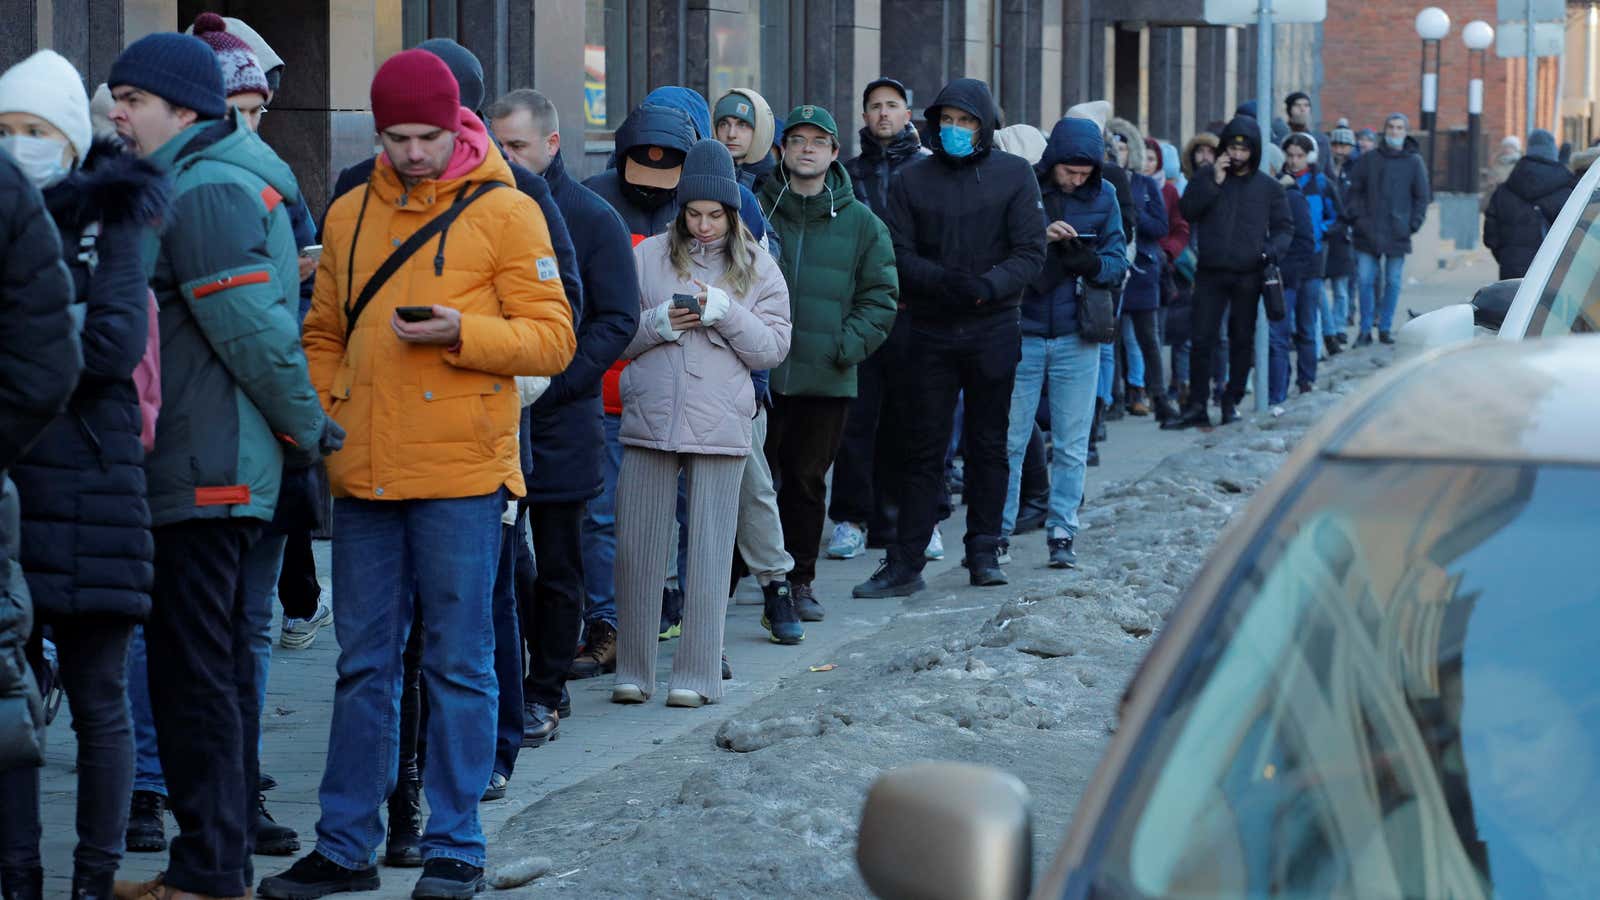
(1432, 26)
(1478, 35)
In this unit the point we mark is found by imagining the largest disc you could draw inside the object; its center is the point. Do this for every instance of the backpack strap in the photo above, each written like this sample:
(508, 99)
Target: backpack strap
(435, 226)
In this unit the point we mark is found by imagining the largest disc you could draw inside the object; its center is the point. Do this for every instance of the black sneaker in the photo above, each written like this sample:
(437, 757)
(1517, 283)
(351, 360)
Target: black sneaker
(1061, 555)
(983, 570)
(448, 879)
(778, 615)
(146, 823)
(1364, 339)
(805, 603)
(315, 876)
(1230, 412)
(671, 614)
(889, 581)
(1385, 337)
(273, 839)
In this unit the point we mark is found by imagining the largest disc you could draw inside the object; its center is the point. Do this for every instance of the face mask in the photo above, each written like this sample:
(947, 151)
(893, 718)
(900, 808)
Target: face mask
(1395, 143)
(957, 141)
(38, 158)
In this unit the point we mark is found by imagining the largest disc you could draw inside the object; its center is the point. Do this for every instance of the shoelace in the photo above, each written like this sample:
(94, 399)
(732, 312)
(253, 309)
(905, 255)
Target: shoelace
(883, 566)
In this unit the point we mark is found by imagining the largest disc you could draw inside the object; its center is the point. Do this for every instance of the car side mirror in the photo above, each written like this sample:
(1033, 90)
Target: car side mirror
(1490, 303)
(946, 831)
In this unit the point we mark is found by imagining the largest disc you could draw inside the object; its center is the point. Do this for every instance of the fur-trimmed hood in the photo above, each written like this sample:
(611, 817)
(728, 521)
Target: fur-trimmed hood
(1203, 139)
(1130, 133)
(112, 186)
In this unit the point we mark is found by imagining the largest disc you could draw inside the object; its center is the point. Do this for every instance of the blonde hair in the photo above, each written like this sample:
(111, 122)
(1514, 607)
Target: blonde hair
(741, 248)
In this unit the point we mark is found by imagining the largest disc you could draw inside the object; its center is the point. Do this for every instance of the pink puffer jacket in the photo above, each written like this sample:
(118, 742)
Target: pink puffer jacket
(694, 395)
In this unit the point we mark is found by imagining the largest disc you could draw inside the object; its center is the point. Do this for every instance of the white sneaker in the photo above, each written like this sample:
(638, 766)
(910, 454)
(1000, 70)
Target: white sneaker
(935, 549)
(848, 541)
(686, 698)
(628, 693)
(298, 634)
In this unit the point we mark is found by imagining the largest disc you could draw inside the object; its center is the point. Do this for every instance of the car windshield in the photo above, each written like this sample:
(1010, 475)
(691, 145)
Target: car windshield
(1395, 697)
(1570, 303)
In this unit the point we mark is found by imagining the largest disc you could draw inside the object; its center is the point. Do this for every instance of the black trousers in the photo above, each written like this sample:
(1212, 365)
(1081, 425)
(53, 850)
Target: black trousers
(866, 469)
(1035, 469)
(1217, 292)
(93, 655)
(203, 693)
(298, 590)
(977, 359)
(552, 612)
(802, 440)
(1147, 331)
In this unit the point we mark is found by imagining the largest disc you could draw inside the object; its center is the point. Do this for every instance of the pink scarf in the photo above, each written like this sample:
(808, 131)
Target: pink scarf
(472, 145)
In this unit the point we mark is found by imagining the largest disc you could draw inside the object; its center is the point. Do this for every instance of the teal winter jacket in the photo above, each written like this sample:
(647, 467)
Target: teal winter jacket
(235, 393)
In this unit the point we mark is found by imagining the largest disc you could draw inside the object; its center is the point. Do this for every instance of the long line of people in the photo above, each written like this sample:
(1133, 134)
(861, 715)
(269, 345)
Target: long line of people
(561, 420)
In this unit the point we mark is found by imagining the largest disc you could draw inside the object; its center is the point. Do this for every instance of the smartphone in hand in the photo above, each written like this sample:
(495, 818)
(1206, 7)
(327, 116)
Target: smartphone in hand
(414, 313)
(687, 302)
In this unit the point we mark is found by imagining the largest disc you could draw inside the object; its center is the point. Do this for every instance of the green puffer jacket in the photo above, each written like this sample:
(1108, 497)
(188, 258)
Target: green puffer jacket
(235, 393)
(843, 287)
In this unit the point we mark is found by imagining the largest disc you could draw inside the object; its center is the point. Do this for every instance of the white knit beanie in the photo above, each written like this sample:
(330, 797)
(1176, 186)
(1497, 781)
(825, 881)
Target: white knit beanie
(47, 86)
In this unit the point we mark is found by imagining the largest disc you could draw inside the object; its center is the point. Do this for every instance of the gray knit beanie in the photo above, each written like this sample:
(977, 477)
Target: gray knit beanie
(708, 175)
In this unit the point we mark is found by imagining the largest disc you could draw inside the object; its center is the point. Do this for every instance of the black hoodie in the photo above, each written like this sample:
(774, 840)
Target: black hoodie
(1244, 221)
(971, 224)
(870, 172)
(1521, 211)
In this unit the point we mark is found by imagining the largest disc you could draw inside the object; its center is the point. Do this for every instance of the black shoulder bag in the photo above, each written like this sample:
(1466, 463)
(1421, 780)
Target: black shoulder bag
(438, 225)
(1272, 292)
(1097, 313)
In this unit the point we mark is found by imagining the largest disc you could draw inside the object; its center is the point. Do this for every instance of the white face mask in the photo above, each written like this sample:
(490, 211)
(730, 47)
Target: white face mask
(38, 158)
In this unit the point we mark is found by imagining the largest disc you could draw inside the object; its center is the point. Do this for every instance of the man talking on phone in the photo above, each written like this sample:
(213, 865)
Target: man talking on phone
(1241, 222)
(432, 412)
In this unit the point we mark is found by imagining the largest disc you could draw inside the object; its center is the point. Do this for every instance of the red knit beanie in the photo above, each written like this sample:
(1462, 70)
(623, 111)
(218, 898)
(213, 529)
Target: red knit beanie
(414, 87)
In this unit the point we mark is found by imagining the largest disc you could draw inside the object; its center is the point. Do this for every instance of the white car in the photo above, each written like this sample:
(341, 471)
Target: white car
(1560, 294)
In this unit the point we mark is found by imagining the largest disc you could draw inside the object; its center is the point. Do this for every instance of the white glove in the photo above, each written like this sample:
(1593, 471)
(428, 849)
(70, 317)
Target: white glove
(531, 387)
(717, 304)
(661, 321)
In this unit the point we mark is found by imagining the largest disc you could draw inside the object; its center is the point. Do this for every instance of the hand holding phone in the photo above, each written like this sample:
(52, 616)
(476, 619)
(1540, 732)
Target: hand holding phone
(414, 313)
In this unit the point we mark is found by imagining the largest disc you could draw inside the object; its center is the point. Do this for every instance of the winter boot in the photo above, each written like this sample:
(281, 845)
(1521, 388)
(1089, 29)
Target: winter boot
(1385, 338)
(891, 580)
(599, 654)
(1192, 415)
(778, 615)
(1230, 411)
(1163, 408)
(22, 884)
(983, 569)
(805, 603)
(146, 825)
(403, 850)
(1136, 402)
(1364, 339)
(1097, 430)
(273, 839)
(93, 885)
(1331, 345)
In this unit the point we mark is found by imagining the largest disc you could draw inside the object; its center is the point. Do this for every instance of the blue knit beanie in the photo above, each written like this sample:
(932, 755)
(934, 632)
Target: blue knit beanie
(178, 68)
(708, 175)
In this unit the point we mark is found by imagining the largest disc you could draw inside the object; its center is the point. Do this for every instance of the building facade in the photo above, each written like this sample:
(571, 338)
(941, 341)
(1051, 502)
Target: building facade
(596, 59)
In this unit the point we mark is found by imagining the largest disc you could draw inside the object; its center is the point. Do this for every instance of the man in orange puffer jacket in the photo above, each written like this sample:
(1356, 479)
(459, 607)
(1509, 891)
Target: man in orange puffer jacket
(422, 378)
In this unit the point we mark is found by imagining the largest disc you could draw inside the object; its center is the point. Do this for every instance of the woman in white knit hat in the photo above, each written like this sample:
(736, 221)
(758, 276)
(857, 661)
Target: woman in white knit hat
(86, 545)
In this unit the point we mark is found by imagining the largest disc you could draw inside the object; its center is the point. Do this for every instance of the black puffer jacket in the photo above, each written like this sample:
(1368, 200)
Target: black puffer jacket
(1242, 222)
(870, 172)
(1522, 210)
(976, 220)
(86, 545)
(1388, 199)
(39, 365)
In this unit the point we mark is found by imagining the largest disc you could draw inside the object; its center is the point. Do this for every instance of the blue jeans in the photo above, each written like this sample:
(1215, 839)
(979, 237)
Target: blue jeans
(600, 534)
(1131, 351)
(262, 563)
(1297, 330)
(508, 649)
(445, 553)
(1108, 373)
(1070, 368)
(1394, 268)
(1336, 307)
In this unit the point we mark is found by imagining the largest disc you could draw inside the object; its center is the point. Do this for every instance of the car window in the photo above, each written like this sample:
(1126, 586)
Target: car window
(1570, 302)
(1399, 700)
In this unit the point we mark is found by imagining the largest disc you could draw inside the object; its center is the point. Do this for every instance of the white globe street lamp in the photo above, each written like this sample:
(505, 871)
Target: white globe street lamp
(1478, 36)
(1433, 24)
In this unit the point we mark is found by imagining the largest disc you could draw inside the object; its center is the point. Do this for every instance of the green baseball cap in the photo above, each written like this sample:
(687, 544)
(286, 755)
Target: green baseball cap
(811, 115)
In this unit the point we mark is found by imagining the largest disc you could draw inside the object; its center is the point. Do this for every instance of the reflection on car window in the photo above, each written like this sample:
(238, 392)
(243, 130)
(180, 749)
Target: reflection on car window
(1399, 701)
(1570, 303)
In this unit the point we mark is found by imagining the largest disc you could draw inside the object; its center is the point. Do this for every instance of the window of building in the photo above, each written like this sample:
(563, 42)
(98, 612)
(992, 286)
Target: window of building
(735, 53)
(605, 64)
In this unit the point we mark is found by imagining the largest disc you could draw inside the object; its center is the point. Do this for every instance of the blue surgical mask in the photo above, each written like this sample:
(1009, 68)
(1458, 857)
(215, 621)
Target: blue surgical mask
(1395, 143)
(956, 141)
(38, 158)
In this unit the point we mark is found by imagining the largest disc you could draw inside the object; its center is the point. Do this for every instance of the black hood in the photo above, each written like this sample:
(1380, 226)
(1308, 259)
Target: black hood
(1250, 130)
(1534, 179)
(904, 146)
(655, 126)
(972, 96)
(113, 186)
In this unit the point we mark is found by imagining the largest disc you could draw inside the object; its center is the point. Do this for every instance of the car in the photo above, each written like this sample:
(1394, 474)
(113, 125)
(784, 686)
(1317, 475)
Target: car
(1381, 684)
(1560, 294)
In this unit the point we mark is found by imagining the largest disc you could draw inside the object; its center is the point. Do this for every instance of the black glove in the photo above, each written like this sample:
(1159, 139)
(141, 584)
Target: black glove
(332, 439)
(1079, 258)
(965, 289)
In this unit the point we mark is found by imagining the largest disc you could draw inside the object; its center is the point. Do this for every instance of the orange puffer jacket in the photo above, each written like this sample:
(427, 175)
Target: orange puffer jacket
(424, 421)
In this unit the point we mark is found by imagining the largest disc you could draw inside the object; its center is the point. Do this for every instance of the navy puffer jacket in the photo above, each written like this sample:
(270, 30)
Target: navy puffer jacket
(1050, 304)
(86, 545)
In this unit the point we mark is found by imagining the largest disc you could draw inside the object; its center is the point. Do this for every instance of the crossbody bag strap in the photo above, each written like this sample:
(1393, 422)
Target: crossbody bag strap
(403, 252)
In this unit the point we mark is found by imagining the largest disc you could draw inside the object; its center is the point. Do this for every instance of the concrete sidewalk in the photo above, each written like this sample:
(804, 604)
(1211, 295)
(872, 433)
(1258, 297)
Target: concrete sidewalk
(600, 735)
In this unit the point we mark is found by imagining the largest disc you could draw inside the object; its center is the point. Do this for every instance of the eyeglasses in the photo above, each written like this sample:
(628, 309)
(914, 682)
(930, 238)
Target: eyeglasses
(800, 142)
